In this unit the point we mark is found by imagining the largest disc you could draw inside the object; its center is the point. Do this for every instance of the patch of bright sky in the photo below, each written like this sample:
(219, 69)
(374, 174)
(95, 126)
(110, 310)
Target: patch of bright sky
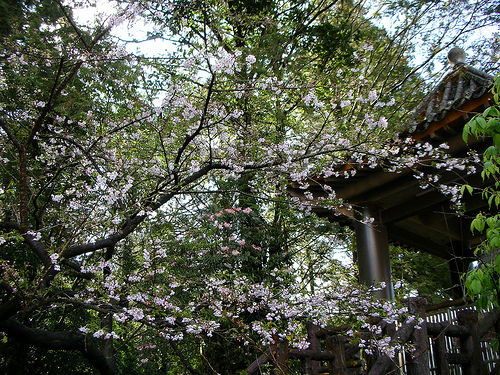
(421, 53)
(133, 33)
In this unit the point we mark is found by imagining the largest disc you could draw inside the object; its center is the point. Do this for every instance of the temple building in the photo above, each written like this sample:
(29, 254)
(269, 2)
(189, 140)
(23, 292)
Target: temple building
(404, 213)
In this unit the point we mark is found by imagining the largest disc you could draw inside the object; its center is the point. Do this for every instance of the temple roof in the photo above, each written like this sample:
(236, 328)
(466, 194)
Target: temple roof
(463, 84)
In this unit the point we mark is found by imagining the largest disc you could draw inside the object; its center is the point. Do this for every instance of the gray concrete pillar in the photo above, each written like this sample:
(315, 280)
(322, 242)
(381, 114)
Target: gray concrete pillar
(373, 251)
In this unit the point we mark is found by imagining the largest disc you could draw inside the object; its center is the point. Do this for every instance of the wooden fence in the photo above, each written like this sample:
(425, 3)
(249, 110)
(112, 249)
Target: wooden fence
(451, 342)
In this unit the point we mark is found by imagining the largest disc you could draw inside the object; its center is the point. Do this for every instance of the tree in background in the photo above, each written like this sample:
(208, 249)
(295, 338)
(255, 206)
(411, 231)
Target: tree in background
(421, 274)
(142, 198)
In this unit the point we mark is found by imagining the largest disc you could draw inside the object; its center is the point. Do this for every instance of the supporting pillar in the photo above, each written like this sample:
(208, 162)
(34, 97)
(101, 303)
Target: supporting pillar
(372, 248)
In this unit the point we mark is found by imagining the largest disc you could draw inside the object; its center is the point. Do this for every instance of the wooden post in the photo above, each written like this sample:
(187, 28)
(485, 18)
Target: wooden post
(281, 357)
(401, 336)
(470, 346)
(336, 345)
(371, 359)
(390, 330)
(263, 359)
(419, 362)
(310, 366)
(440, 357)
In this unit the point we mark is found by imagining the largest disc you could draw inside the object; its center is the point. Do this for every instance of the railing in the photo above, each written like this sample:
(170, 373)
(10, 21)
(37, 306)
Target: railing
(489, 356)
(452, 342)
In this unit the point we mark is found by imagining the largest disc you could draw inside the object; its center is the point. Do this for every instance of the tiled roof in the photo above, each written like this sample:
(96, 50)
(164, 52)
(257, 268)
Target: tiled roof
(461, 85)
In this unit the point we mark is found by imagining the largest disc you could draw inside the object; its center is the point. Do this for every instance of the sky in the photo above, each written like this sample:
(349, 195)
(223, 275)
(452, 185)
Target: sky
(104, 10)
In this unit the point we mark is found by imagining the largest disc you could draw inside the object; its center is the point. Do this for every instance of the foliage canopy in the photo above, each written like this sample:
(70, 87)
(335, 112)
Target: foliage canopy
(144, 220)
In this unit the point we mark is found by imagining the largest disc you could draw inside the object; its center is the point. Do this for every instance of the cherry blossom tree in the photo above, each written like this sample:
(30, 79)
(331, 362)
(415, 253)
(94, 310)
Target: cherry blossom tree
(142, 198)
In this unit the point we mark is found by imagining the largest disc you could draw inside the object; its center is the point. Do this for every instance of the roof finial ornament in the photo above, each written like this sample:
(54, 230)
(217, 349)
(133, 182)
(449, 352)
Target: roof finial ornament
(456, 56)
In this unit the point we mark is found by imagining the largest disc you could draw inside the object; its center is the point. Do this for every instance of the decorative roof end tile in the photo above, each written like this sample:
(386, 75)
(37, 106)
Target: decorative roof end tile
(456, 56)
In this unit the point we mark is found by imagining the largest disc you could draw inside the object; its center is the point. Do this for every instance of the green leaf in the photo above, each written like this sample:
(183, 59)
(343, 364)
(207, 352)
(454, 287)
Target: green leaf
(495, 241)
(491, 221)
(468, 187)
(466, 132)
(490, 152)
(497, 264)
(478, 224)
(481, 122)
(491, 112)
(495, 344)
(473, 126)
(494, 112)
(496, 137)
(475, 286)
(480, 273)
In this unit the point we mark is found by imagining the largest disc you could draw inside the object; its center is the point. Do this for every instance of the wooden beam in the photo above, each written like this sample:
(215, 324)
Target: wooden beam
(412, 206)
(412, 240)
(471, 105)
